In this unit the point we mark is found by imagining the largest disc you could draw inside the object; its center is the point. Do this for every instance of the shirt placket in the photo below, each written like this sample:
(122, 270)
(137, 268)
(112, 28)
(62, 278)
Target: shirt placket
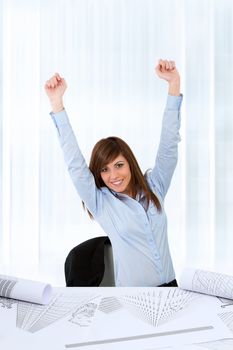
(150, 239)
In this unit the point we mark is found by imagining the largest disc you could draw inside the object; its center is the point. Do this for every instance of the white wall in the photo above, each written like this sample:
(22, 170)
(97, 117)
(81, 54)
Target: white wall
(107, 51)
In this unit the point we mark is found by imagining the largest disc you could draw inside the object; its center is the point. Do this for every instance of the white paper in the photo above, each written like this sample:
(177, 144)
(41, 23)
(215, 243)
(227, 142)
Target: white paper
(152, 318)
(118, 318)
(67, 318)
(27, 290)
(211, 283)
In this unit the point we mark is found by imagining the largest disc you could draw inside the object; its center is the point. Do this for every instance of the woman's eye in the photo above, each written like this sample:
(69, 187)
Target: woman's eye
(103, 170)
(119, 165)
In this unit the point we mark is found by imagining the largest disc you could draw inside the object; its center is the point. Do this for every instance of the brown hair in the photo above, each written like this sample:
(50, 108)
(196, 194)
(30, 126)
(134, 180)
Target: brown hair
(104, 152)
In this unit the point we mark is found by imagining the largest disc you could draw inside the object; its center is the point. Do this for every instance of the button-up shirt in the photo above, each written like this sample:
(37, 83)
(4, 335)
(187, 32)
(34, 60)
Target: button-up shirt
(138, 233)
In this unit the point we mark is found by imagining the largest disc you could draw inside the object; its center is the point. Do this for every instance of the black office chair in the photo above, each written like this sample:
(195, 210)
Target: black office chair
(90, 264)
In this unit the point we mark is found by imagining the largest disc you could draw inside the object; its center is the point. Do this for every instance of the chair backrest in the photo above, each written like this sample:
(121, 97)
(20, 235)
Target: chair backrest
(90, 264)
(108, 278)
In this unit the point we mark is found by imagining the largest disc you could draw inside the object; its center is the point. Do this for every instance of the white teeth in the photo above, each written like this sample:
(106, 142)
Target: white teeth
(117, 182)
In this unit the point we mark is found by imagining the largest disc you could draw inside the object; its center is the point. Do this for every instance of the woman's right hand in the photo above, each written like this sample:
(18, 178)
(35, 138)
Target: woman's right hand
(55, 88)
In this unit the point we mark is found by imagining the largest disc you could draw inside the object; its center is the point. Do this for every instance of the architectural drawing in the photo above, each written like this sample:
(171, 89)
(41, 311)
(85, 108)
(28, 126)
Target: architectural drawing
(109, 304)
(176, 300)
(78, 309)
(225, 302)
(7, 303)
(84, 315)
(6, 286)
(144, 305)
(26, 290)
(157, 307)
(213, 283)
(34, 317)
(227, 318)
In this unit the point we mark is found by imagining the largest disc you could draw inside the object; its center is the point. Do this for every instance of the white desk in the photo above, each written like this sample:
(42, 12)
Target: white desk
(117, 318)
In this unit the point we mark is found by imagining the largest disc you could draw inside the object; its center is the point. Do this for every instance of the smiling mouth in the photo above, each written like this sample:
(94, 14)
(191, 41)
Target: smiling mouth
(117, 183)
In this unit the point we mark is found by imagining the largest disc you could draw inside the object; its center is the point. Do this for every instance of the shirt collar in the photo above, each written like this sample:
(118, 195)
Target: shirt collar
(139, 195)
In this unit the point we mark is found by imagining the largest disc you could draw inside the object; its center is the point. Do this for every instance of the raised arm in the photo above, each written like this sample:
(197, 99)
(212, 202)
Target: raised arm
(167, 154)
(80, 174)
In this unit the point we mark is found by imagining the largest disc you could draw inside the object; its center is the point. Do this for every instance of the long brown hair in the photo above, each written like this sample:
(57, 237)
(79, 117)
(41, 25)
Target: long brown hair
(108, 149)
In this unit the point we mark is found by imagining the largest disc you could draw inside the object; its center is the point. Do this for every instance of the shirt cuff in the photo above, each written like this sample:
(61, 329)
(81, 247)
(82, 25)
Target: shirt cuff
(60, 118)
(174, 102)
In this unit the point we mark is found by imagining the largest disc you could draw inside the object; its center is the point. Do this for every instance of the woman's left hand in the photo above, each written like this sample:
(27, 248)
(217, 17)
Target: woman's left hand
(167, 70)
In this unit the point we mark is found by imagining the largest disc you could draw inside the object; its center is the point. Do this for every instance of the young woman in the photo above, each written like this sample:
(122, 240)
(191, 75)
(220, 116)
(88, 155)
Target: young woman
(127, 204)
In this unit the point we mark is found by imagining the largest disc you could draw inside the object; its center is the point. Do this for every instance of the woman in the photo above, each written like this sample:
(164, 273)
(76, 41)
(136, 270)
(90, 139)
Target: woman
(127, 205)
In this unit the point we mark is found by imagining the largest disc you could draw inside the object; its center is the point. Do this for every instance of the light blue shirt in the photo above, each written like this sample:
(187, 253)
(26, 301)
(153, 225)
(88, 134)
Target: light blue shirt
(138, 235)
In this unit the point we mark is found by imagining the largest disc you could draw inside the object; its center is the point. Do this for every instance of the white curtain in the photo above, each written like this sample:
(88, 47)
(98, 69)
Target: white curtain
(107, 51)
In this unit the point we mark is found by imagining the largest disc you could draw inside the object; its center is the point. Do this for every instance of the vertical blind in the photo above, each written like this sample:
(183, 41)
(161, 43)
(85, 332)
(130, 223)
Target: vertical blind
(107, 51)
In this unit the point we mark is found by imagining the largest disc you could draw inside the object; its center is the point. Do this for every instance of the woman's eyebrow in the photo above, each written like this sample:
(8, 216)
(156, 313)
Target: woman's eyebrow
(119, 161)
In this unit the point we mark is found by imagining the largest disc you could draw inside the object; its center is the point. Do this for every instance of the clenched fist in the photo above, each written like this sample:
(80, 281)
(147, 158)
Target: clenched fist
(167, 70)
(55, 88)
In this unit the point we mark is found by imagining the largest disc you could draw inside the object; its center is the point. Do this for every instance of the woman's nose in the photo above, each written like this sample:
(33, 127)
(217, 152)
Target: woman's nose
(113, 174)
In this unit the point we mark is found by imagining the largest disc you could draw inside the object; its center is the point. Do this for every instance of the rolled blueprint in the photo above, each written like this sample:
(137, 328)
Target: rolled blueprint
(26, 290)
(211, 283)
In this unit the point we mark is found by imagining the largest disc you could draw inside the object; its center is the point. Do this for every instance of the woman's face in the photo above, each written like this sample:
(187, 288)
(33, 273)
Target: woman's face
(117, 175)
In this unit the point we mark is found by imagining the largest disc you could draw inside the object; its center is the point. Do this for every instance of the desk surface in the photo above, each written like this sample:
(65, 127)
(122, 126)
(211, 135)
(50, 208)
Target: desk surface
(118, 318)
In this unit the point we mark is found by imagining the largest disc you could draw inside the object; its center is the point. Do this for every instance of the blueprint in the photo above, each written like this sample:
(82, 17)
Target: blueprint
(152, 306)
(7, 303)
(33, 317)
(137, 318)
(113, 318)
(211, 283)
(227, 318)
(27, 290)
(158, 306)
